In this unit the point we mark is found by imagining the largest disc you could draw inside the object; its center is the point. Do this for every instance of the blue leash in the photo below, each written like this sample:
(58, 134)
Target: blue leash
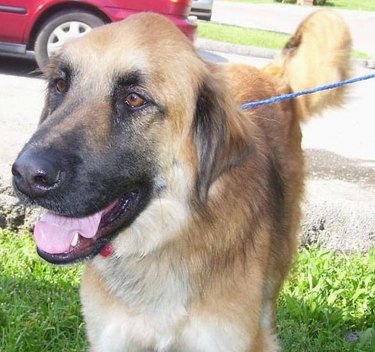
(289, 96)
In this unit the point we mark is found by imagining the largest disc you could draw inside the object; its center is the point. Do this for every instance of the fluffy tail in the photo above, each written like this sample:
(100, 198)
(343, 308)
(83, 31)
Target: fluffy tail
(318, 53)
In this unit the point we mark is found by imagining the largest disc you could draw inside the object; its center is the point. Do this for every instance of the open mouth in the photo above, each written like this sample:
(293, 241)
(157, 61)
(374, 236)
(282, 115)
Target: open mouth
(62, 240)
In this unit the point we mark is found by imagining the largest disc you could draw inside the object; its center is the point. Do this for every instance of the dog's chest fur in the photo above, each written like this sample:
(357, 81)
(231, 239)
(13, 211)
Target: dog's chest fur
(159, 322)
(144, 298)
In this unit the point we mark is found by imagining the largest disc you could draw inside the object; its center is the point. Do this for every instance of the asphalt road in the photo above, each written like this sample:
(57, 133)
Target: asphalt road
(340, 153)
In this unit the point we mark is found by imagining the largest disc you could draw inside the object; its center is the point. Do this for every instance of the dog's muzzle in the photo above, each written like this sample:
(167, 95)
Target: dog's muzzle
(65, 234)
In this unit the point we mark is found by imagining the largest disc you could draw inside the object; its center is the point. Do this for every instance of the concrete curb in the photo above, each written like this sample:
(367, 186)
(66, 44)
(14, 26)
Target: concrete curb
(245, 50)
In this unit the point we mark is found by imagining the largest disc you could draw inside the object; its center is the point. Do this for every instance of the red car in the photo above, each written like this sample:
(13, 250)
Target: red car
(43, 26)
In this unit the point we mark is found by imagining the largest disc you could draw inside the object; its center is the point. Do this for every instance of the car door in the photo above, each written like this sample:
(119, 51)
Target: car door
(13, 20)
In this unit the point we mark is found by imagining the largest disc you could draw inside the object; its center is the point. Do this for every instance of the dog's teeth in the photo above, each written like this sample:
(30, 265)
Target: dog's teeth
(75, 240)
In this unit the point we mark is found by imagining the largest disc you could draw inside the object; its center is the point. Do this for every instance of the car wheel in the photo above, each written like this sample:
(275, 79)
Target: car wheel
(59, 29)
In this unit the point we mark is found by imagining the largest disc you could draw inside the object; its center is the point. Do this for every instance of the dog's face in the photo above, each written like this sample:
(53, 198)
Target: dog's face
(125, 109)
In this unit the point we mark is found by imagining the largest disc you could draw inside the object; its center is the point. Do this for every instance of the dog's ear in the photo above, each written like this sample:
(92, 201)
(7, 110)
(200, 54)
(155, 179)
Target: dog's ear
(222, 140)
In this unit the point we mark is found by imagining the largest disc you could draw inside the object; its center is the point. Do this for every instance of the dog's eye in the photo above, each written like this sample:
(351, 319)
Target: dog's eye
(61, 85)
(133, 100)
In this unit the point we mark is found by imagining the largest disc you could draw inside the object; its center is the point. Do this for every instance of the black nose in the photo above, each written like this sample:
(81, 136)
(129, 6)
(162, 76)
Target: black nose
(36, 174)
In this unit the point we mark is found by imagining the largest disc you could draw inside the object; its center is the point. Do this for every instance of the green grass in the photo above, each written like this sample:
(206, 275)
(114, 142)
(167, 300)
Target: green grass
(39, 303)
(360, 55)
(365, 5)
(240, 35)
(327, 296)
(251, 37)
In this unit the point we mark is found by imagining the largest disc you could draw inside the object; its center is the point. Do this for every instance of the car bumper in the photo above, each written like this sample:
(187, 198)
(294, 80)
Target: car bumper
(201, 13)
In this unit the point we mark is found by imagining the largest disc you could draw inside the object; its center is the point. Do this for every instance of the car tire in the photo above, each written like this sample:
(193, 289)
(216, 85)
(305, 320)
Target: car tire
(59, 28)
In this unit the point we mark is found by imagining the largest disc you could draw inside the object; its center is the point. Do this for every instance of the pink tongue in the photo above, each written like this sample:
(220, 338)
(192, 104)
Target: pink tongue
(54, 234)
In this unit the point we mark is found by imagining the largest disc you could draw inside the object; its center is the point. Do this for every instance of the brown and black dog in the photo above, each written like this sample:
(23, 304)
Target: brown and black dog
(186, 207)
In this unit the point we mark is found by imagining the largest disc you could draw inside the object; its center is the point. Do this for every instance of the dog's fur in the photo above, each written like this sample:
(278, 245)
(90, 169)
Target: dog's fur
(202, 264)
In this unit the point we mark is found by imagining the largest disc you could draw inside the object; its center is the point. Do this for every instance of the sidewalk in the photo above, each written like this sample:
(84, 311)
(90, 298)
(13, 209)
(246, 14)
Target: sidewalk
(285, 18)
